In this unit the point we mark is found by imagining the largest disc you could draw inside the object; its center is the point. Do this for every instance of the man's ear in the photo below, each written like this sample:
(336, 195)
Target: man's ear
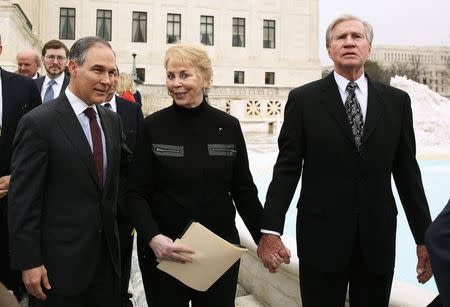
(73, 67)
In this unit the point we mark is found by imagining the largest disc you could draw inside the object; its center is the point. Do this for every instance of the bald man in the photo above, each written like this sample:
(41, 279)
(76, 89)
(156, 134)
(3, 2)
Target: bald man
(28, 63)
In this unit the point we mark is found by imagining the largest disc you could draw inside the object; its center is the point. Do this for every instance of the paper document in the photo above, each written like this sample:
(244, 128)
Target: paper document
(212, 257)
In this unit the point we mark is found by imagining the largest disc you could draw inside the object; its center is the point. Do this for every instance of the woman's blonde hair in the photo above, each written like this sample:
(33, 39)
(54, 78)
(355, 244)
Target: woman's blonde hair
(192, 55)
(125, 84)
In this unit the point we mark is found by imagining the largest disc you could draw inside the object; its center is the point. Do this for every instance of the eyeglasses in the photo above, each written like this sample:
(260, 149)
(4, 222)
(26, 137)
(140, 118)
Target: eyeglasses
(51, 58)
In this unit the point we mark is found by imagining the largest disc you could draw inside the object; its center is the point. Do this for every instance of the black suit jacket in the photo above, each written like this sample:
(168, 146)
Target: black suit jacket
(40, 82)
(131, 117)
(345, 193)
(59, 215)
(20, 95)
(438, 245)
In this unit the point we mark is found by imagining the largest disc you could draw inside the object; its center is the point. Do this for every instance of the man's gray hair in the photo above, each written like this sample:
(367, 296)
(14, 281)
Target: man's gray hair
(367, 28)
(79, 49)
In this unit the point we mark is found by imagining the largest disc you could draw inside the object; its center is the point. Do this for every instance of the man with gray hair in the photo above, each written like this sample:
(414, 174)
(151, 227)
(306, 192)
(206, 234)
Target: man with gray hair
(64, 187)
(346, 135)
(28, 63)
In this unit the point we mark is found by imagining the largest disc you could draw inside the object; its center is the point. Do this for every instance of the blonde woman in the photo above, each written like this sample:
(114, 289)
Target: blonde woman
(126, 87)
(190, 165)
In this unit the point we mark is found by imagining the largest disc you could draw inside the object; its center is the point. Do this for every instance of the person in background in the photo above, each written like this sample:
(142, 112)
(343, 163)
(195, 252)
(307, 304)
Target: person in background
(437, 240)
(131, 116)
(18, 95)
(64, 187)
(126, 87)
(138, 97)
(190, 164)
(346, 136)
(28, 63)
(54, 56)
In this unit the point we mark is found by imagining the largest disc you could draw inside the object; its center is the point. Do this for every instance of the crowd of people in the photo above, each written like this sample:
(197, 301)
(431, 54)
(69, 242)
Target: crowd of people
(81, 170)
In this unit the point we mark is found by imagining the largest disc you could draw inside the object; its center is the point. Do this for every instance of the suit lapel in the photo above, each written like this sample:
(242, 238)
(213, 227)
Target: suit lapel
(69, 123)
(332, 101)
(375, 106)
(108, 131)
(10, 112)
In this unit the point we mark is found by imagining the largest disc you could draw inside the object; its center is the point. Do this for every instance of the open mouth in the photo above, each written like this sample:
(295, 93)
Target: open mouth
(180, 94)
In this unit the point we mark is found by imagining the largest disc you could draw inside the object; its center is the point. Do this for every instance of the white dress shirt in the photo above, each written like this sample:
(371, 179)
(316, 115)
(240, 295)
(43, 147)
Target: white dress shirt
(112, 102)
(361, 91)
(78, 107)
(56, 87)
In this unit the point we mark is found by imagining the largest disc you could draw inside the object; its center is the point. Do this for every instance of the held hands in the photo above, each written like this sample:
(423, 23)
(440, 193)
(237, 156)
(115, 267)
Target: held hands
(424, 271)
(33, 279)
(165, 249)
(272, 252)
(4, 185)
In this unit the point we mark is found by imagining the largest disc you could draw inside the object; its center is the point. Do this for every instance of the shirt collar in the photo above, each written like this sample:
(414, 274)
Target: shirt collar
(59, 80)
(112, 102)
(342, 83)
(77, 104)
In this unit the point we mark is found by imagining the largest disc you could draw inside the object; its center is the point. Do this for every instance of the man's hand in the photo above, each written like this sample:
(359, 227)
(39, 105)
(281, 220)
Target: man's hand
(4, 185)
(33, 279)
(272, 252)
(424, 271)
(165, 249)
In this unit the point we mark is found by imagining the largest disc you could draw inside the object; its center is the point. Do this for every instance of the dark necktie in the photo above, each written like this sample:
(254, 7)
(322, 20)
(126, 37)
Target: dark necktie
(354, 114)
(96, 142)
(49, 93)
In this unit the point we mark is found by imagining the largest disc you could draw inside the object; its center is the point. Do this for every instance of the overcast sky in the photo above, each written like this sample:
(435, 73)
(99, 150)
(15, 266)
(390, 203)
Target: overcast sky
(395, 22)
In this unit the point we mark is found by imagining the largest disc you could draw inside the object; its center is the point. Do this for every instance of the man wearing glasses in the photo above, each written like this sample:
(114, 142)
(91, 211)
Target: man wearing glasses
(54, 57)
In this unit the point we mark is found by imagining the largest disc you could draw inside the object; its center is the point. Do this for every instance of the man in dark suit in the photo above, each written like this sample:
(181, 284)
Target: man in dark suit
(54, 57)
(437, 240)
(18, 95)
(131, 116)
(346, 135)
(64, 187)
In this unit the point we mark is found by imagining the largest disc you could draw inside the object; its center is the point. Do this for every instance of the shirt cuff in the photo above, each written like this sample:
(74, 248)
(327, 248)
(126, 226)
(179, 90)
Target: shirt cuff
(270, 232)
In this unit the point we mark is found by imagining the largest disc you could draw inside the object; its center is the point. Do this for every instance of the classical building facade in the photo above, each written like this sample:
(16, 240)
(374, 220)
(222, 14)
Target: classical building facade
(255, 45)
(432, 63)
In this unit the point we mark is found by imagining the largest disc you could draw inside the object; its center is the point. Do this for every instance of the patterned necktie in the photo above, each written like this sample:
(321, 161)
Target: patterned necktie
(49, 94)
(354, 114)
(96, 136)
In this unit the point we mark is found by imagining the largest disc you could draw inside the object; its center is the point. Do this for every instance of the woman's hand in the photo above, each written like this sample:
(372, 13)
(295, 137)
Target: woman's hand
(165, 249)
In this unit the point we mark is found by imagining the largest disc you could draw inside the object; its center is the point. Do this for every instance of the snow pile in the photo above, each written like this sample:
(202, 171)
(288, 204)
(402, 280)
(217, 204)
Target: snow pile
(431, 113)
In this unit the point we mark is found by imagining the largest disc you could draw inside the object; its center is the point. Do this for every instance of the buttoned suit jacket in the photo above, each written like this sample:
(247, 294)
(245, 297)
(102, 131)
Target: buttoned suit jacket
(60, 216)
(438, 245)
(40, 82)
(345, 193)
(19, 95)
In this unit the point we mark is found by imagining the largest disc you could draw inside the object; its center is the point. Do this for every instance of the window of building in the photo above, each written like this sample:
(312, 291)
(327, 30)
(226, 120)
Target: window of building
(238, 32)
(66, 23)
(207, 30)
(104, 22)
(140, 72)
(238, 77)
(269, 34)
(139, 27)
(173, 28)
(270, 78)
